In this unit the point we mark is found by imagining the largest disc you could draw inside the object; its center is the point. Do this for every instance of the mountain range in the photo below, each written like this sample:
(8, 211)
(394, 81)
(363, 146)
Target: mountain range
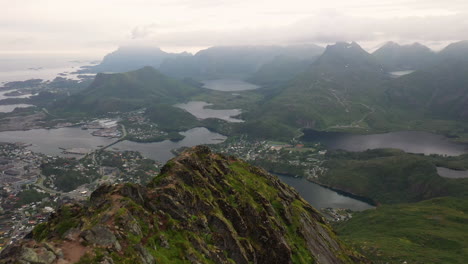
(212, 63)
(347, 88)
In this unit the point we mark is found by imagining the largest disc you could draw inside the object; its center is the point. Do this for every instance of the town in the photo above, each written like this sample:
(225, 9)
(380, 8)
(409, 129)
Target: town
(292, 159)
(32, 185)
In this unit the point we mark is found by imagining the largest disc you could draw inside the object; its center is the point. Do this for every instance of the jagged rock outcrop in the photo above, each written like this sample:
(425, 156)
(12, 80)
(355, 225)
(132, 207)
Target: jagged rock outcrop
(202, 208)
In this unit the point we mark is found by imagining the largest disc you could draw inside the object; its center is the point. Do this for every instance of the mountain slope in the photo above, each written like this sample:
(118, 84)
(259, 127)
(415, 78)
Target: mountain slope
(125, 91)
(440, 91)
(338, 90)
(280, 70)
(428, 232)
(203, 208)
(397, 57)
(454, 51)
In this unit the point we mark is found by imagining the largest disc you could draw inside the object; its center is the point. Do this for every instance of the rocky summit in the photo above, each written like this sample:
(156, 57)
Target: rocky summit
(202, 208)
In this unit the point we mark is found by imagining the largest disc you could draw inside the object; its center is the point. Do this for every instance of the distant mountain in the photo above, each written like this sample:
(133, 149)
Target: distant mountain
(233, 61)
(126, 91)
(338, 89)
(202, 208)
(131, 58)
(346, 58)
(397, 57)
(454, 51)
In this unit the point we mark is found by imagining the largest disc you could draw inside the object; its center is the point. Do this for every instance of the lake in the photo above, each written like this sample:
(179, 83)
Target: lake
(49, 141)
(321, 197)
(397, 74)
(10, 108)
(408, 141)
(229, 85)
(199, 110)
(453, 174)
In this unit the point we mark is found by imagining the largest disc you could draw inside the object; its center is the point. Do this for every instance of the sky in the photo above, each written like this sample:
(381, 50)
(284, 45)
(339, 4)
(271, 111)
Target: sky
(96, 27)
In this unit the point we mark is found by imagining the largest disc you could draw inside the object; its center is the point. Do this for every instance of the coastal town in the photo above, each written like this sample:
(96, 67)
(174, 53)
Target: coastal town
(32, 185)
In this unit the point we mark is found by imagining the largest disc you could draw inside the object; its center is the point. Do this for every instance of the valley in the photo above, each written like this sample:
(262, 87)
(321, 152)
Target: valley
(356, 141)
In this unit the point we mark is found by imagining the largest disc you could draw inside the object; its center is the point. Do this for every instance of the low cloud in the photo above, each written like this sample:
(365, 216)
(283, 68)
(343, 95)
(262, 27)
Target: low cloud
(326, 27)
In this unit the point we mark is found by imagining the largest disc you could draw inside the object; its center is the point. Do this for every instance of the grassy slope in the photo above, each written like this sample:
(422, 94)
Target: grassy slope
(126, 91)
(432, 231)
(390, 176)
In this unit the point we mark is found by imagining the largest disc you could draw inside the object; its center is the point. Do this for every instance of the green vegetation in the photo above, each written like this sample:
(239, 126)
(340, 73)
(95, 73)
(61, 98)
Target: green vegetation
(430, 232)
(30, 196)
(280, 70)
(339, 89)
(170, 118)
(389, 176)
(125, 92)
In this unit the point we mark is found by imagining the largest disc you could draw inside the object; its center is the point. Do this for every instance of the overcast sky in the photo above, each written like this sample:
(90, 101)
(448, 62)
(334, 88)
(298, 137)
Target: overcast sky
(99, 26)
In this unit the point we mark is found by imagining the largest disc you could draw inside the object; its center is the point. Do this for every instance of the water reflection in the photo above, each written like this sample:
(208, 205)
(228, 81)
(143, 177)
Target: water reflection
(199, 110)
(229, 85)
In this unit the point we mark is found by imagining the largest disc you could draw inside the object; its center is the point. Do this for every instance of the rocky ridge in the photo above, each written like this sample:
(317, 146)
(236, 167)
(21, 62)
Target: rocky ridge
(202, 208)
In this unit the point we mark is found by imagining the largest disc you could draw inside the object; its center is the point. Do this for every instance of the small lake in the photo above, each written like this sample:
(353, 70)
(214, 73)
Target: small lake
(453, 174)
(161, 151)
(408, 141)
(199, 110)
(397, 74)
(321, 197)
(229, 85)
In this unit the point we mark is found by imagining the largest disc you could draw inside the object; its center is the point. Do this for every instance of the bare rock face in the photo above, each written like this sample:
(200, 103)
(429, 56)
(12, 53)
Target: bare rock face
(202, 208)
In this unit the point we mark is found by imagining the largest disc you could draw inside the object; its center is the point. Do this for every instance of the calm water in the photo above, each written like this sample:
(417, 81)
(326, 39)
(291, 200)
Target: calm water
(10, 108)
(21, 67)
(199, 110)
(161, 151)
(49, 141)
(320, 197)
(408, 141)
(453, 174)
(229, 85)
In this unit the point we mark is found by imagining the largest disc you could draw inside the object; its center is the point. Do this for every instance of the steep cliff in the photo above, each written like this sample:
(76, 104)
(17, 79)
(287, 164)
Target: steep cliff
(202, 208)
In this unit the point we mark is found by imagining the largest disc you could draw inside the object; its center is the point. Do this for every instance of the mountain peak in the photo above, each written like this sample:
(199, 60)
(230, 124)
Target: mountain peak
(346, 57)
(403, 57)
(455, 51)
(203, 208)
